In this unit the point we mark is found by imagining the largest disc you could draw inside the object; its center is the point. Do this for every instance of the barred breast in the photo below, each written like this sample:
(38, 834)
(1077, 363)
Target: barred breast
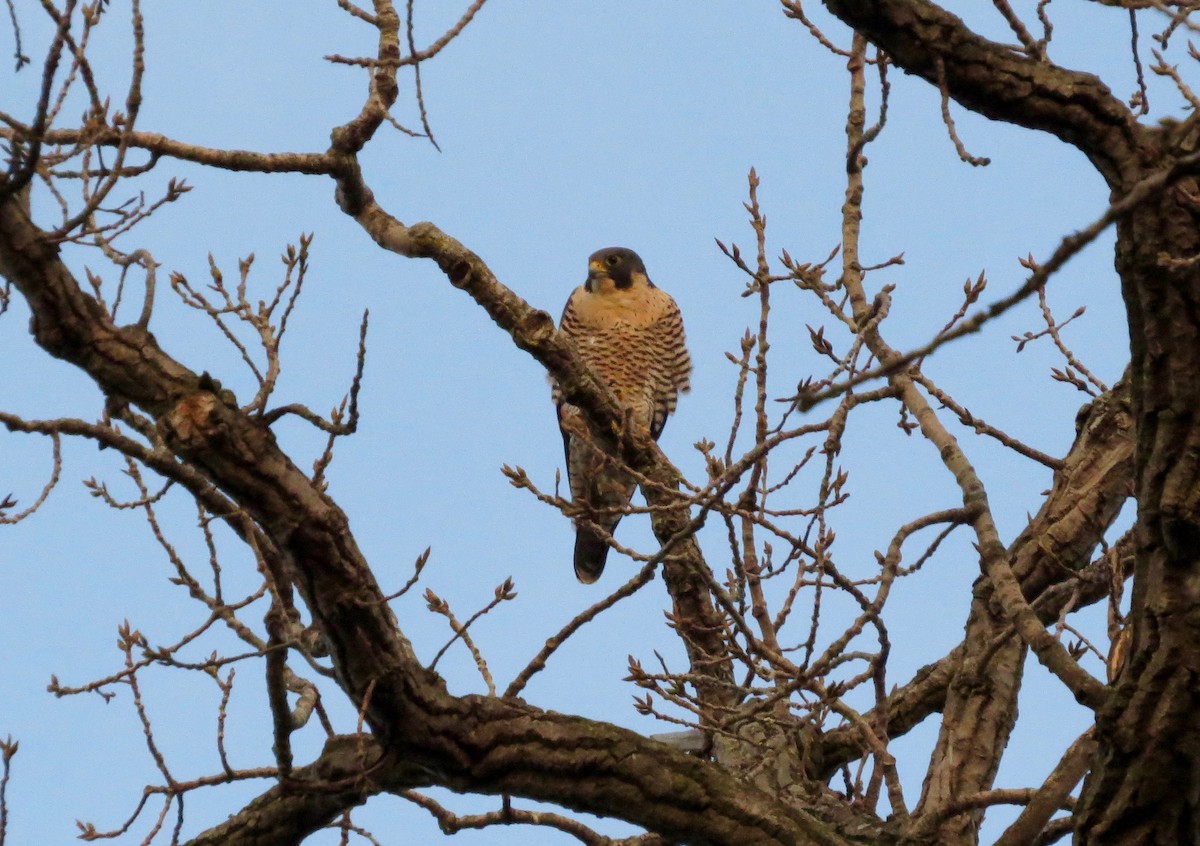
(636, 345)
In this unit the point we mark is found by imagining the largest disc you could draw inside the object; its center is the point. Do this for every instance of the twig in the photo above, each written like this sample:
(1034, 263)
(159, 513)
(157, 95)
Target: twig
(361, 14)
(1035, 49)
(983, 428)
(960, 148)
(276, 669)
(451, 823)
(22, 61)
(416, 66)
(1140, 100)
(8, 748)
(538, 663)
(1067, 248)
(436, 604)
(14, 425)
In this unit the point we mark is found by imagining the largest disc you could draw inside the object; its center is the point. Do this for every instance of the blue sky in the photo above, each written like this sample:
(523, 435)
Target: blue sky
(564, 127)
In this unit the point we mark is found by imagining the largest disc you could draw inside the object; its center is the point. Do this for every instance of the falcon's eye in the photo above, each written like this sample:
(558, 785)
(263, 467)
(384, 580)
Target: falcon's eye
(612, 261)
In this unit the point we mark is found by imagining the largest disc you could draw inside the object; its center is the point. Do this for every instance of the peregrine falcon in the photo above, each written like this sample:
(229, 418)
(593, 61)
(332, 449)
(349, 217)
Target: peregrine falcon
(631, 334)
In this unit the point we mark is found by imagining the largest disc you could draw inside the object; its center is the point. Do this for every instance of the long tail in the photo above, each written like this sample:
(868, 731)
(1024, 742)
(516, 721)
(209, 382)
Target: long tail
(601, 490)
(590, 554)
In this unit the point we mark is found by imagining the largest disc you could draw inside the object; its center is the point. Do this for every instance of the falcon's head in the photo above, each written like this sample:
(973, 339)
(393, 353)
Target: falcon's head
(617, 268)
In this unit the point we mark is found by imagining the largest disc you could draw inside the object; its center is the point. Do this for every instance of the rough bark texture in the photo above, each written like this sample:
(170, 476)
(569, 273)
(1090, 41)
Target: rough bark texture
(350, 769)
(1146, 785)
(980, 711)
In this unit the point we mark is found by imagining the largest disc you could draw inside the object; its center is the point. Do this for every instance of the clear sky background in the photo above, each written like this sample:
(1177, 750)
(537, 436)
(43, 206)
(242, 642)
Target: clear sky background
(564, 127)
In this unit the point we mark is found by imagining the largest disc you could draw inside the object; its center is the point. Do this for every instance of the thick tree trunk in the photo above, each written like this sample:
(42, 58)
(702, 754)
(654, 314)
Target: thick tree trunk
(1145, 787)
